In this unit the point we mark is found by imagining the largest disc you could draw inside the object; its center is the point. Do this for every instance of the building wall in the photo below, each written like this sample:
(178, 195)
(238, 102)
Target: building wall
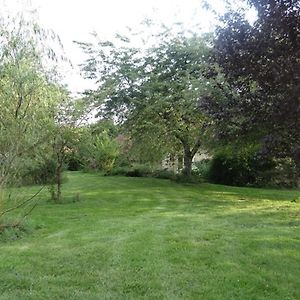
(174, 163)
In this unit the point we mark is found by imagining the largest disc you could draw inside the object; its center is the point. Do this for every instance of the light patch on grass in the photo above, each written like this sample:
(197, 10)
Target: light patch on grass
(58, 234)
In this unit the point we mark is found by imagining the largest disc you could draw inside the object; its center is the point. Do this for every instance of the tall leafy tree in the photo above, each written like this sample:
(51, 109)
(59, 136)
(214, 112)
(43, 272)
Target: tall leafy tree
(261, 63)
(154, 90)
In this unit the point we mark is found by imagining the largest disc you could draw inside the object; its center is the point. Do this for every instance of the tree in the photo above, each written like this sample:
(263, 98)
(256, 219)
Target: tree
(154, 90)
(26, 99)
(66, 135)
(261, 63)
(98, 147)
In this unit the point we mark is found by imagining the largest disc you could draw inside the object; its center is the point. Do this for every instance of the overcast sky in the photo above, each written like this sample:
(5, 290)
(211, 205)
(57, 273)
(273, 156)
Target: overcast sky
(75, 20)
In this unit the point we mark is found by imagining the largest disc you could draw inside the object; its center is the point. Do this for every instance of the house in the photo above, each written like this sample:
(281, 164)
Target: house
(174, 163)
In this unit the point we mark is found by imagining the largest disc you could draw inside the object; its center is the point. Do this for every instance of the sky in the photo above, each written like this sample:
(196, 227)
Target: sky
(76, 19)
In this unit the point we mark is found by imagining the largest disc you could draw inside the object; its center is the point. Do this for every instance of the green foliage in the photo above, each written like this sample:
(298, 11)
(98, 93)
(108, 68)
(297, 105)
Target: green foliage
(97, 148)
(245, 166)
(73, 162)
(283, 174)
(40, 173)
(261, 64)
(65, 137)
(202, 168)
(193, 178)
(147, 170)
(25, 123)
(134, 170)
(155, 91)
(29, 100)
(104, 125)
(146, 149)
(98, 152)
(232, 169)
(120, 170)
(143, 170)
(164, 174)
(105, 152)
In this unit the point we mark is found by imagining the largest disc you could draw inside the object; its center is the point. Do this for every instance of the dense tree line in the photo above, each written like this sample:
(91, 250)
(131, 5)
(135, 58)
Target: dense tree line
(238, 89)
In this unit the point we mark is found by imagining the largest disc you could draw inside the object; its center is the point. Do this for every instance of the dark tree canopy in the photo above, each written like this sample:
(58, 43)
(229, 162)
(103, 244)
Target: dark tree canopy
(262, 65)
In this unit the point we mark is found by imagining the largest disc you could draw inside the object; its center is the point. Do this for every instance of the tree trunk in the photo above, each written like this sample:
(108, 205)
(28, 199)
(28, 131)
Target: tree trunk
(56, 192)
(187, 161)
(58, 182)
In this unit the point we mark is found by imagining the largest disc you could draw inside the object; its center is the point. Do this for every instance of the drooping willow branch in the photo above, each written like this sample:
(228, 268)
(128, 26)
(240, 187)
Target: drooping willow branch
(22, 203)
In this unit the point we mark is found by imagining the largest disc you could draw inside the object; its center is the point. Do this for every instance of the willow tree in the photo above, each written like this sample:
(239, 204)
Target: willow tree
(28, 99)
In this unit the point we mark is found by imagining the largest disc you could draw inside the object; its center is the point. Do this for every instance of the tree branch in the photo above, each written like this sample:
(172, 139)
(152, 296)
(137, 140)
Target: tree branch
(22, 203)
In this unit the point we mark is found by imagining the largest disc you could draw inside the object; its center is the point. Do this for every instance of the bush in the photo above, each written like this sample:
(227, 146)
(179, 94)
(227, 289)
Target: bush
(164, 174)
(142, 170)
(283, 174)
(139, 170)
(145, 170)
(230, 170)
(104, 152)
(41, 173)
(194, 178)
(247, 168)
(202, 168)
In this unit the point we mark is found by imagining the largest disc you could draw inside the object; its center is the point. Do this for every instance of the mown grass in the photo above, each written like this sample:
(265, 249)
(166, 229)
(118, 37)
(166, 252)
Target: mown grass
(143, 238)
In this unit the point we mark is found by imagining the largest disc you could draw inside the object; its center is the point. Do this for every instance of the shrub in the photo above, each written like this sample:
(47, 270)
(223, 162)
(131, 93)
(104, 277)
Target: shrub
(139, 170)
(282, 174)
(134, 170)
(146, 170)
(230, 170)
(122, 171)
(247, 168)
(164, 174)
(143, 170)
(40, 173)
(105, 151)
(202, 168)
(194, 178)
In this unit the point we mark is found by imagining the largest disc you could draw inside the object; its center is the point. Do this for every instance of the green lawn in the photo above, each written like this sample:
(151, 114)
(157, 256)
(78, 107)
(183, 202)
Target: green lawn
(143, 238)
